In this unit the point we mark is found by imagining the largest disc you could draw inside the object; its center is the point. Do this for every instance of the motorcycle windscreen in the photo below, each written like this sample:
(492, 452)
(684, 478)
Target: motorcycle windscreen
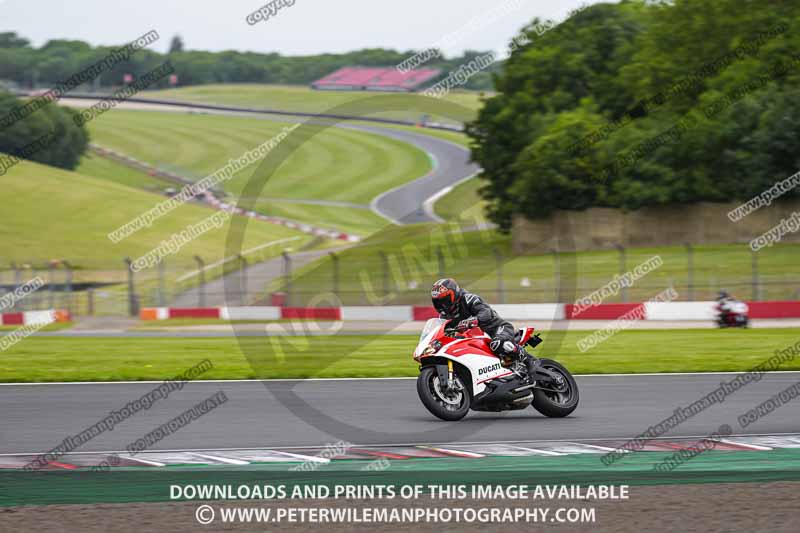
(430, 326)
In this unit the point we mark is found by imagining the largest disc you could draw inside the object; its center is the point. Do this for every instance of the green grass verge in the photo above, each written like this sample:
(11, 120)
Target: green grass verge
(55, 326)
(111, 359)
(335, 164)
(80, 211)
(305, 100)
(362, 222)
(463, 203)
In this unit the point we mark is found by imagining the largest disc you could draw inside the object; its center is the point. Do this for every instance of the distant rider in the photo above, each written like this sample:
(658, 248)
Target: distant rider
(455, 304)
(725, 303)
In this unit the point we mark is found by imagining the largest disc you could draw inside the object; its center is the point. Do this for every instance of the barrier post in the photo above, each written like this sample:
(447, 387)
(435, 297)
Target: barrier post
(335, 273)
(201, 286)
(287, 277)
(133, 304)
(17, 283)
(68, 284)
(50, 283)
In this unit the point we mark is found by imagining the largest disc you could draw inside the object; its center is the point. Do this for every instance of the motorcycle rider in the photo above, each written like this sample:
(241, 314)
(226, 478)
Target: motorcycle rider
(724, 303)
(455, 304)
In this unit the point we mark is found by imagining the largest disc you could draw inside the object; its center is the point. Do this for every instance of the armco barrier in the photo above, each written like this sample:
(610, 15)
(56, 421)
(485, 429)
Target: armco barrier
(320, 313)
(34, 317)
(403, 313)
(680, 310)
(199, 312)
(599, 312)
(774, 309)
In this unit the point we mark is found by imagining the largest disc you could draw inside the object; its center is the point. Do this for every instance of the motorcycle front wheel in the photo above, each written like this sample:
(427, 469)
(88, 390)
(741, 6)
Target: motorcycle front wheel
(445, 404)
(556, 399)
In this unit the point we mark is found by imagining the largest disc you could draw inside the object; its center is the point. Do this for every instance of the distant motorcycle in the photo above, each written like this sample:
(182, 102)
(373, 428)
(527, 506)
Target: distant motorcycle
(732, 314)
(459, 372)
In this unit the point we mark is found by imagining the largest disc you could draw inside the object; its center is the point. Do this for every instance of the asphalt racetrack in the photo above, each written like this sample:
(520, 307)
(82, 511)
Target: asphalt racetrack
(37, 417)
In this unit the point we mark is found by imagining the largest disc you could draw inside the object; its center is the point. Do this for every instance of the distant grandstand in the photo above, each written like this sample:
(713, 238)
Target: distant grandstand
(375, 79)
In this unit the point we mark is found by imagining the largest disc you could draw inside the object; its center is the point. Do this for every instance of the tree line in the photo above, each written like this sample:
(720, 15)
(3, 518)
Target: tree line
(58, 59)
(644, 103)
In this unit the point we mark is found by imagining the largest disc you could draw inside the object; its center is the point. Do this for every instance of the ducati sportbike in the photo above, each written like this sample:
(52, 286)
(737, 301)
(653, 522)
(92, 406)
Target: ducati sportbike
(459, 372)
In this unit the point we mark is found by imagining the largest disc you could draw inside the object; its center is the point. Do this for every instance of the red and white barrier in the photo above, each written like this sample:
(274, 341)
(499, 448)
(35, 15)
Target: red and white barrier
(26, 318)
(404, 313)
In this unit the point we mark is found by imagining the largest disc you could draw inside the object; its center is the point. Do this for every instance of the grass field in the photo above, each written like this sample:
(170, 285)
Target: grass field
(334, 165)
(60, 214)
(361, 221)
(101, 359)
(411, 264)
(462, 204)
(305, 100)
(99, 167)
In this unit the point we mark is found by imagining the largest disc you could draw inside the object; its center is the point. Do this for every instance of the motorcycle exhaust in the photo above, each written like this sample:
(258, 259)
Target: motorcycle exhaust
(524, 400)
(525, 387)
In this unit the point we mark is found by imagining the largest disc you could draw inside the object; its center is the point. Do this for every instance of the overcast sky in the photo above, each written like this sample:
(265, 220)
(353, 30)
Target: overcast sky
(307, 27)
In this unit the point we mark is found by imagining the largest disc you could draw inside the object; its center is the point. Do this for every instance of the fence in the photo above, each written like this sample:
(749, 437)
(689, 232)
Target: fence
(370, 276)
(384, 277)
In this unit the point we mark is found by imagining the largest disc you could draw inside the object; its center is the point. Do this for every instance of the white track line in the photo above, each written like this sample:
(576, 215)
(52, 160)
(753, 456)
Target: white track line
(220, 459)
(538, 452)
(131, 458)
(428, 204)
(666, 374)
(746, 445)
(404, 444)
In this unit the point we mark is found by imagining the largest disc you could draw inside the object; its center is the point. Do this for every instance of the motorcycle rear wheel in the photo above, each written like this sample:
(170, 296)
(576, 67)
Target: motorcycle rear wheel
(445, 405)
(556, 404)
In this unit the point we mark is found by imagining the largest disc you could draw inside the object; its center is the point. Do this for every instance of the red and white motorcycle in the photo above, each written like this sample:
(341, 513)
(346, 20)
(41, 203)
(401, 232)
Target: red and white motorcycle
(459, 372)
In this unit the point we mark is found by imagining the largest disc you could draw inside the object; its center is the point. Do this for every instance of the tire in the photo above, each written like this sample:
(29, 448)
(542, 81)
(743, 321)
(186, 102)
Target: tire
(427, 384)
(556, 405)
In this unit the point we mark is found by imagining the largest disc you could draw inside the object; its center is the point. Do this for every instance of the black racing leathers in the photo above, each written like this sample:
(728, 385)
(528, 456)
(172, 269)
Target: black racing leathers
(501, 331)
